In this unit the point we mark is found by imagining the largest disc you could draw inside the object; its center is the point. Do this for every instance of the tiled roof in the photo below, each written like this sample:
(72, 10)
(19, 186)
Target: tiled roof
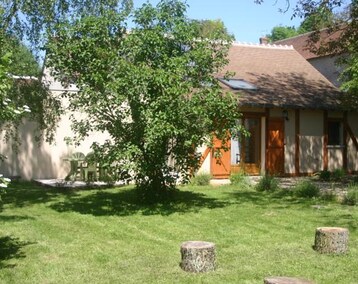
(283, 78)
(301, 42)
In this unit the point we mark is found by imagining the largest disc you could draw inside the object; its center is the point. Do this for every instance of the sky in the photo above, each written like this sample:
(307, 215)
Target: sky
(243, 18)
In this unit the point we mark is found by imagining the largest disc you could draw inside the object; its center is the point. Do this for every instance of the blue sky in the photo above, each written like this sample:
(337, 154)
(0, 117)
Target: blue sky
(243, 18)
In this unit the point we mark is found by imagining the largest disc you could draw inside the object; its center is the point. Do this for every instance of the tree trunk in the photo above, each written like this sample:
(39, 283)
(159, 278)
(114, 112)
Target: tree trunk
(331, 240)
(286, 280)
(198, 256)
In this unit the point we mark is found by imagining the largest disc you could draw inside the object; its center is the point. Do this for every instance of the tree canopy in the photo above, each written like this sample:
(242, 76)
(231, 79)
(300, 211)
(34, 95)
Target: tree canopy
(281, 32)
(212, 29)
(152, 89)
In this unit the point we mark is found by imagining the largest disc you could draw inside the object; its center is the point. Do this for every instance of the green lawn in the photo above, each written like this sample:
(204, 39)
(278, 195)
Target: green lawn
(107, 236)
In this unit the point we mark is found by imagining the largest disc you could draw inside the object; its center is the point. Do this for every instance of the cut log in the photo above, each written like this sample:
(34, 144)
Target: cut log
(197, 256)
(286, 280)
(332, 240)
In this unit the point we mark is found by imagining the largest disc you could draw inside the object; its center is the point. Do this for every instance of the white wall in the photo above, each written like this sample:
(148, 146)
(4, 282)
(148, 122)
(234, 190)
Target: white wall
(311, 141)
(44, 160)
(290, 143)
(352, 151)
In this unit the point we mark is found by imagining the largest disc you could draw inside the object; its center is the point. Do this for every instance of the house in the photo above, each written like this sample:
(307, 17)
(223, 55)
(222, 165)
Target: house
(34, 160)
(292, 112)
(326, 64)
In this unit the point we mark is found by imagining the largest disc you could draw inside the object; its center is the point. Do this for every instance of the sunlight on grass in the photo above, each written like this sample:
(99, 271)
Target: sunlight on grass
(108, 236)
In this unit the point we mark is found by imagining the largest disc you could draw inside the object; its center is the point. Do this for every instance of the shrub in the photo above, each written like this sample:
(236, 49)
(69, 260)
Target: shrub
(240, 180)
(352, 195)
(306, 189)
(201, 179)
(328, 195)
(338, 174)
(267, 183)
(325, 175)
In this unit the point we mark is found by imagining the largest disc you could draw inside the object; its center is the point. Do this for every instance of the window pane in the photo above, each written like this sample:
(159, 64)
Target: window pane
(238, 84)
(334, 133)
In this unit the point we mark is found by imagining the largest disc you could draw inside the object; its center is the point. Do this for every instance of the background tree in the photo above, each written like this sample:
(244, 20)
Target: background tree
(33, 21)
(212, 29)
(152, 89)
(281, 32)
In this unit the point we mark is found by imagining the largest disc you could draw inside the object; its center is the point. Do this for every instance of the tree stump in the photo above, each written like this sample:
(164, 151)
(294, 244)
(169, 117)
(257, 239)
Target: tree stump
(286, 280)
(331, 240)
(197, 256)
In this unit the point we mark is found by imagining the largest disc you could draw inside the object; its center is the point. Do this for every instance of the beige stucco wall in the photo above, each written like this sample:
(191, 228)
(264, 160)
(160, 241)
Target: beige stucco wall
(327, 66)
(352, 160)
(311, 141)
(290, 143)
(335, 158)
(44, 160)
(205, 166)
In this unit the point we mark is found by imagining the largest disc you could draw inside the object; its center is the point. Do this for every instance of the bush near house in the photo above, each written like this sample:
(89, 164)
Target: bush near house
(336, 175)
(267, 183)
(352, 195)
(306, 189)
(201, 179)
(240, 180)
(324, 175)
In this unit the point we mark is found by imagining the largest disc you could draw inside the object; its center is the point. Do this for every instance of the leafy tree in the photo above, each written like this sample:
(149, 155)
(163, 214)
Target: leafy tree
(23, 62)
(152, 89)
(323, 18)
(35, 19)
(212, 29)
(281, 32)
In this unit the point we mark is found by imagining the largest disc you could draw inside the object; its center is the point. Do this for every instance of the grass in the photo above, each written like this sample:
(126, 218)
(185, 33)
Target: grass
(107, 236)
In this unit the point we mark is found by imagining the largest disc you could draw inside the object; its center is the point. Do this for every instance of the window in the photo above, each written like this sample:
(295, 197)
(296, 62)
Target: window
(335, 133)
(238, 84)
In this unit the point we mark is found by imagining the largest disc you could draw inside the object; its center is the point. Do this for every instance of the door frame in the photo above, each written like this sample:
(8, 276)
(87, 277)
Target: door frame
(250, 168)
(281, 120)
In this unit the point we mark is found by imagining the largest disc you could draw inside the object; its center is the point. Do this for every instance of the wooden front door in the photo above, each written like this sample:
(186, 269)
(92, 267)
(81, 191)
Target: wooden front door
(220, 164)
(275, 146)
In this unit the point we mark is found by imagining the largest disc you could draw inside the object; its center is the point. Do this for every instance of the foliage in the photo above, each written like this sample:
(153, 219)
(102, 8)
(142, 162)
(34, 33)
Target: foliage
(23, 62)
(23, 96)
(338, 174)
(324, 175)
(322, 18)
(212, 29)
(351, 197)
(152, 89)
(201, 179)
(3, 184)
(306, 189)
(240, 180)
(33, 20)
(281, 32)
(267, 183)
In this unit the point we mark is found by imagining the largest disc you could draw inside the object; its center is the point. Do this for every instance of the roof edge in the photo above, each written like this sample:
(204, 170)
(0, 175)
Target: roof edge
(258, 45)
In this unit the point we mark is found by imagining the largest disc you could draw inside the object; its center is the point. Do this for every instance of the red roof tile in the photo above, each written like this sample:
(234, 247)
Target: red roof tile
(283, 78)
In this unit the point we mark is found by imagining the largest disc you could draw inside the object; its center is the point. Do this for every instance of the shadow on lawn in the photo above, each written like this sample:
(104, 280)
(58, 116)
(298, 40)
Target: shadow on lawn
(22, 194)
(126, 202)
(10, 248)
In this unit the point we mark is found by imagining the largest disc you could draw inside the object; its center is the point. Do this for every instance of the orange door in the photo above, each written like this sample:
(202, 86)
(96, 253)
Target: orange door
(220, 164)
(275, 146)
